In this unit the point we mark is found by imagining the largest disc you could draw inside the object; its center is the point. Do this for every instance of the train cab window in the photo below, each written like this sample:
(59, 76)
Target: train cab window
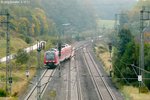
(50, 56)
(62, 46)
(66, 45)
(53, 49)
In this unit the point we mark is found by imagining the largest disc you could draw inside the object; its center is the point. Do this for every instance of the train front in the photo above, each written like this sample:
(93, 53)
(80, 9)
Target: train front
(51, 59)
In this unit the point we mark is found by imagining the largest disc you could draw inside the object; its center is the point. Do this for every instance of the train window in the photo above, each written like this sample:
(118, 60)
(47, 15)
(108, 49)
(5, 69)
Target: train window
(50, 56)
(53, 49)
(63, 46)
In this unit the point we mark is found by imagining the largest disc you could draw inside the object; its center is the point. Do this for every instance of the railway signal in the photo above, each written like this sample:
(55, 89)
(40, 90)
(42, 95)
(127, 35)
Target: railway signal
(10, 80)
(42, 45)
(59, 48)
(39, 47)
(110, 48)
(27, 73)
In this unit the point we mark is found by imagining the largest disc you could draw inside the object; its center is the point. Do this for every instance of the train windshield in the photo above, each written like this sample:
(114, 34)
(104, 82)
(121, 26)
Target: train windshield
(50, 56)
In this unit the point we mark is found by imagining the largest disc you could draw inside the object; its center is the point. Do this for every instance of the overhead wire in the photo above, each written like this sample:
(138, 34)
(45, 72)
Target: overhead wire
(140, 68)
(135, 67)
(121, 74)
(132, 65)
(137, 75)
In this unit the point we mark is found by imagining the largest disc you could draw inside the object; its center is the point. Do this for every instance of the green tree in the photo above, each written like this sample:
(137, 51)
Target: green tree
(22, 56)
(127, 51)
(129, 57)
(125, 54)
(147, 64)
(124, 38)
(23, 25)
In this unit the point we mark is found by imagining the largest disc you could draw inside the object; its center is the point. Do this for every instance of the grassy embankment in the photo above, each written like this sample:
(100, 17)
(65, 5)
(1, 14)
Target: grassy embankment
(130, 92)
(20, 81)
(18, 73)
(16, 43)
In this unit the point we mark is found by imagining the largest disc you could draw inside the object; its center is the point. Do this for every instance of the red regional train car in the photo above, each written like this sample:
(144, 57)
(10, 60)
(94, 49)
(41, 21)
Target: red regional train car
(51, 58)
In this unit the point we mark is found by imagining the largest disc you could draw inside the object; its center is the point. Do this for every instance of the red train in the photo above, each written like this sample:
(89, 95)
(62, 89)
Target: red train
(52, 59)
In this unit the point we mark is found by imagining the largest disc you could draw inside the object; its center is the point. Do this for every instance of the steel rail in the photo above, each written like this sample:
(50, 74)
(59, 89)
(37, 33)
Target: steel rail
(46, 84)
(35, 86)
(79, 90)
(100, 96)
(68, 95)
(102, 78)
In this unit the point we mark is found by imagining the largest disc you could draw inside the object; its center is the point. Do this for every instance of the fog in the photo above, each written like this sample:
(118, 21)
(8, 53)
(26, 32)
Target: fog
(107, 8)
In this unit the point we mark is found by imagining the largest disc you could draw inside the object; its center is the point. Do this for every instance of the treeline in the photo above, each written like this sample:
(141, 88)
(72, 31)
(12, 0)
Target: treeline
(47, 17)
(29, 22)
(127, 46)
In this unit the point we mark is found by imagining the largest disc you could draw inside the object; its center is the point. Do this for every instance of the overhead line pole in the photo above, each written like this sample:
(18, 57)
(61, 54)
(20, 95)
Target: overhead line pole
(116, 21)
(8, 66)
(116, 27)
(141, 62)
(38, 70)
(141, 58)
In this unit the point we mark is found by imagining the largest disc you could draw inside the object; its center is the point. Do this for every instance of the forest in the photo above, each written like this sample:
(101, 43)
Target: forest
(46, 17)
(127, 47)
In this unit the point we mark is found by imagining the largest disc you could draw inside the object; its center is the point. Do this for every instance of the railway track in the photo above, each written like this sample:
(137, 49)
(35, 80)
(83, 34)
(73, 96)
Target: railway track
(73, 86)
(68, 94)
(102, 89)
(79, 91)
(44, 81)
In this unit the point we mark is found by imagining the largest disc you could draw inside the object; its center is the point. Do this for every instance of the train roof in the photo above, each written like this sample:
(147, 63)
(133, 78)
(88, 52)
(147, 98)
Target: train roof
(65, 44)
(62, 45)
(53, 49)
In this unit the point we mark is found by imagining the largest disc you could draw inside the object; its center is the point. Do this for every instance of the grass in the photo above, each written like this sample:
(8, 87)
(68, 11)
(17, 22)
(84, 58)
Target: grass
(15, 44)
(104, 56)
(19, 86)
(130, 92)
(20, 81)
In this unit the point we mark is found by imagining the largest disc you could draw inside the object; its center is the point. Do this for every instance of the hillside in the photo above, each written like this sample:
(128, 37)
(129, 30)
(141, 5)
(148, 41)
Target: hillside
(27, 24)
(75, 12)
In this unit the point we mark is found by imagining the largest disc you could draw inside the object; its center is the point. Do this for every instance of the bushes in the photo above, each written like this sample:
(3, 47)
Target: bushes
(22, 56)
(144, 90)
(28, 40)
(2, 33)
(2, 93)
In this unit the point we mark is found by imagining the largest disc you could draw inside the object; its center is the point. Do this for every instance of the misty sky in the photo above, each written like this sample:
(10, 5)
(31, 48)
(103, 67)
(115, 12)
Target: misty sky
(108, 8)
